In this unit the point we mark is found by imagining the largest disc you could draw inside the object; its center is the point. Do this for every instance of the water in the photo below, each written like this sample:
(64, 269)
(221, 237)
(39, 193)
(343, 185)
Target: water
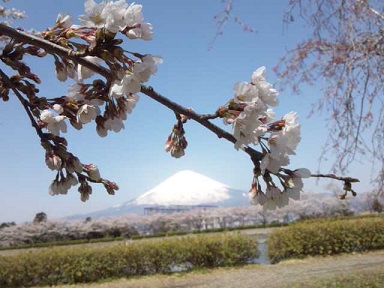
(263, 258)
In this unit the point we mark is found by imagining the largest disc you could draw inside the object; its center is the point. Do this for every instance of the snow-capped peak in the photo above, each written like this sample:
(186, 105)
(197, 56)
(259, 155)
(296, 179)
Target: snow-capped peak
(185, 188)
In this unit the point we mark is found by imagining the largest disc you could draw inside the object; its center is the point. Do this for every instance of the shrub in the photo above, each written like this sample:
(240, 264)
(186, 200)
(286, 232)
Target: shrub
(326, 237)
(60, 265)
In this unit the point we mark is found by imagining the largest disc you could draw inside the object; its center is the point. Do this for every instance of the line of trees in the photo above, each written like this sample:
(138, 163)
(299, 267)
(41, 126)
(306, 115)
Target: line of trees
(310, 207)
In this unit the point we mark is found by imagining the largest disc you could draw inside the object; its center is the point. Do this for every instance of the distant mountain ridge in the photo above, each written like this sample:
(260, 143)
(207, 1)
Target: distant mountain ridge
(183, 188)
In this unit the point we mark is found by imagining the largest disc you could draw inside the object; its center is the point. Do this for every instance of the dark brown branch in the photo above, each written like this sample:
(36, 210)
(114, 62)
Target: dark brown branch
(50, 48)
(333, 176)
(210, 116)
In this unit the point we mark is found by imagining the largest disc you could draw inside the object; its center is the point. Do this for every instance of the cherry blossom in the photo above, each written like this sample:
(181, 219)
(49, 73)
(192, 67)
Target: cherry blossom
(87, 113)
(54, 124)
(105, 80)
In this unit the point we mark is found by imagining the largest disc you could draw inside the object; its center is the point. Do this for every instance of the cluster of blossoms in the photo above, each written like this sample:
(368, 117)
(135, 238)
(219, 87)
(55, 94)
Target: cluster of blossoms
(176, 142)
(106, 102)
(252, 119)
(92, 50)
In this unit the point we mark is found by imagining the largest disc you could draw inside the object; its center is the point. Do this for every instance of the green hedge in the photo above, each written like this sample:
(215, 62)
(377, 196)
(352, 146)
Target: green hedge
(326, 237)
(70, 265)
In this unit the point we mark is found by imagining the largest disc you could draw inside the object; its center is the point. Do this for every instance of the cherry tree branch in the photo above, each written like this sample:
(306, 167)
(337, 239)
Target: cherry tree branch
(52, 48)
(23, 102)
(333, 176)
(256, 156)
(202, 119)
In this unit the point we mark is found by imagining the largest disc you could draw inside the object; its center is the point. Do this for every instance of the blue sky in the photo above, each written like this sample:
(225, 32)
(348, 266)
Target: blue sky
(192, 75)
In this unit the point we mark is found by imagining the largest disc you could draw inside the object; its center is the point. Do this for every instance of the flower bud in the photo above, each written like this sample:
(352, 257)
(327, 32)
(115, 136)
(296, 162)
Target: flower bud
(93, 172)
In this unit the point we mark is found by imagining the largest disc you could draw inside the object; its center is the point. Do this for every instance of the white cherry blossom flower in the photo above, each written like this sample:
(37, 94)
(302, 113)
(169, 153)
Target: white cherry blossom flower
(53, 161)
(113, 13)
(258, 198)
(133, 15)
(148, 66)
(282, 143)
(115, 124)
(128, 104)
(55, 124)
(69, 181)
(144, 31)
(58, 108)
(83, 72)
(248, 94)
(57, 188)
(265, 89)
(93, 12)
(61, 71)
(295, 187)
(87, 113)
(125, 86)
(272, 164)
(73, 165)
(302, 173)
(46, 116)
(74, 91)
(58, 126)
(64, 21)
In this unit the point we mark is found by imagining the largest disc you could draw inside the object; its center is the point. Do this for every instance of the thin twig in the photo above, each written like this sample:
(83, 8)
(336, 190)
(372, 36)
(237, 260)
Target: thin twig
(255, 155)
(23, 102)
(333, 176)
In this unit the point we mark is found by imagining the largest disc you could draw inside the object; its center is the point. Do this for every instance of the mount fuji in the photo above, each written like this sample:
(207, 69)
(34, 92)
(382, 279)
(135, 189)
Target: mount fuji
(183, 188)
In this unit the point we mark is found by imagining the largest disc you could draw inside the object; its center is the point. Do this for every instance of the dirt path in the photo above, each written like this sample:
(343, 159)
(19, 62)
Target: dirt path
(265, 276)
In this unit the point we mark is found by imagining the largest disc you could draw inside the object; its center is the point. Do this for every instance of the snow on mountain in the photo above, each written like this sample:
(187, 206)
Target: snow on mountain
(183, 188)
